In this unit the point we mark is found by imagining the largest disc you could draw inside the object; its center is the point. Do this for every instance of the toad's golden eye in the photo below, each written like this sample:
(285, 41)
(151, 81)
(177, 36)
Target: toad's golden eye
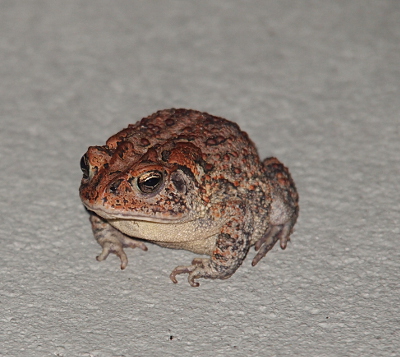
(150, 181)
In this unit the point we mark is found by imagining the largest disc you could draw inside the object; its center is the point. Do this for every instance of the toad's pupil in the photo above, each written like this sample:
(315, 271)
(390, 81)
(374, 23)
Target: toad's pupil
(151, 182)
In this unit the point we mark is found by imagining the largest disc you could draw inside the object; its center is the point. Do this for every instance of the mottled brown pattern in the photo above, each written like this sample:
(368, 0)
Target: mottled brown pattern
(188, 180)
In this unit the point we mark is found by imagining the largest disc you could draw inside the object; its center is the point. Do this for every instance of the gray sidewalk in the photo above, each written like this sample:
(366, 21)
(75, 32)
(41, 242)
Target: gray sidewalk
(315, 83)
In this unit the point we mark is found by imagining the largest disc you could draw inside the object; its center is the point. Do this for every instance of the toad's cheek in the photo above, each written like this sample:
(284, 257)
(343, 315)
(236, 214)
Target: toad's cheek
(197, 236)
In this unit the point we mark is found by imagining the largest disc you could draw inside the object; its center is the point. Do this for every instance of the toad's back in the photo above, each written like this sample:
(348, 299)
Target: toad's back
(225, 152)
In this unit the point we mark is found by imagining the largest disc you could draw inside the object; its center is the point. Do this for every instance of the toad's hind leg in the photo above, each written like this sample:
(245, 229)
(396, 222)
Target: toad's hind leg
(230, 249)
(112, 240)
(284, 208)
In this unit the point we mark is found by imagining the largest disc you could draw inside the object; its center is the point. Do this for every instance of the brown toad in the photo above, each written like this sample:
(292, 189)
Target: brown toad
(187, 180)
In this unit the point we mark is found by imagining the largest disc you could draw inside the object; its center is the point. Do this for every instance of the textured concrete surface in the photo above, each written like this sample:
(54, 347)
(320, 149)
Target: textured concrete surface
(316, 83)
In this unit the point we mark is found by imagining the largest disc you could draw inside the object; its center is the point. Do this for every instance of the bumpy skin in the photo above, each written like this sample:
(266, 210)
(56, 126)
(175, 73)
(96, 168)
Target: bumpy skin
(188, 180)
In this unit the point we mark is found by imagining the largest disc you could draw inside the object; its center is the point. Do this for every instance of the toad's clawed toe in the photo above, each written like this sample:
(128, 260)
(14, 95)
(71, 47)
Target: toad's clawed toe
(200, 268)
(116, 246)
(267, 242)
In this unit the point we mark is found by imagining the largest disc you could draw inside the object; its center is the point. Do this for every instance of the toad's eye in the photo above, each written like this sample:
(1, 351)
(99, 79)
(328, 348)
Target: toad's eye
(150, 181)
(85, 166)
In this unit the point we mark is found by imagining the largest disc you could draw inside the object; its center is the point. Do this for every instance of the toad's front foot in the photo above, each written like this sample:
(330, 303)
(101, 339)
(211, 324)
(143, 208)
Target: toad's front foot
(112, 240)
(200, 268)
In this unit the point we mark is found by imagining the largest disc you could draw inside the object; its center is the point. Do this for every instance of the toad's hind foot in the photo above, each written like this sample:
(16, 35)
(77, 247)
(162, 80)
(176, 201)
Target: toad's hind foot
(266, 243)
(112, 240)
(284, 208)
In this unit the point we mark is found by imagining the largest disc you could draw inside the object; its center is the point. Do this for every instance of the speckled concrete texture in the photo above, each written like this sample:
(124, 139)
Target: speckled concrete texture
(315, 83)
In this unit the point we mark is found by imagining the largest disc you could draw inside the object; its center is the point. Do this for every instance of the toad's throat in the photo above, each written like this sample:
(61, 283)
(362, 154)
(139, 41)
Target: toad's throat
(167, 232)
(157, 217)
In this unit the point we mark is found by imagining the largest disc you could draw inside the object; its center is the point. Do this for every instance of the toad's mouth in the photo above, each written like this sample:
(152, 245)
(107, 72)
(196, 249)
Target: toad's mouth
(158, 217)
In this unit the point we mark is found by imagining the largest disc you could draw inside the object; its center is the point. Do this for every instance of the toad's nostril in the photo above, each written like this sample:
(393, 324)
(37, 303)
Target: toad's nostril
(114, 186)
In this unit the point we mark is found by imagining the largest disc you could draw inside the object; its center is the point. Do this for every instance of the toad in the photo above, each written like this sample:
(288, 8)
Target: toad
(187, 180)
